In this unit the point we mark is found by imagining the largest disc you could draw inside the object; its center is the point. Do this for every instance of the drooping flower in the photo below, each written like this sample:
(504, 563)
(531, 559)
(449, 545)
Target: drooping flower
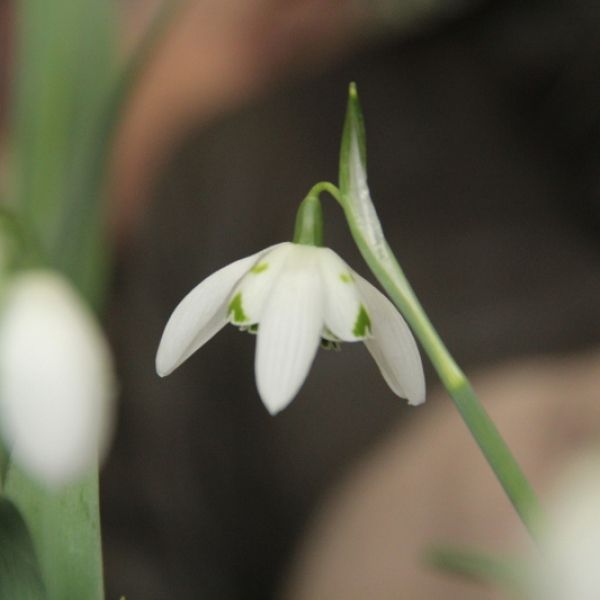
(295, 297)
(57, 379)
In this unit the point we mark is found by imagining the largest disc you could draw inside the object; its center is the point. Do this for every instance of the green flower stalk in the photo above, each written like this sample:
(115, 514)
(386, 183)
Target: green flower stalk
(366, 229)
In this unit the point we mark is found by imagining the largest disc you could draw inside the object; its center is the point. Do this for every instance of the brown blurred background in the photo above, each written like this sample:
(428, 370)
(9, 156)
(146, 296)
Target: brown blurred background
(482, 120)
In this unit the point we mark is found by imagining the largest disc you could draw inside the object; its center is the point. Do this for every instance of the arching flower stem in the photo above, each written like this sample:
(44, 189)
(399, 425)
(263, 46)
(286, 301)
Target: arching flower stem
(354, 198)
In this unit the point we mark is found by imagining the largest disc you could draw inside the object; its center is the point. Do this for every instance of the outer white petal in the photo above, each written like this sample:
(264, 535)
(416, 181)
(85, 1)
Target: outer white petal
(393, 346)
(200, 315)
(56, 379)
(290, 330)
(342, 300)
(256, 284)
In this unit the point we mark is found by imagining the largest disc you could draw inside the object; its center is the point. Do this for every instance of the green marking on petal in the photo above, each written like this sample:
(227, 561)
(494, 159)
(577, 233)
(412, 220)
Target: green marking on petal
(346, 277)
(259, 268)
(235, 307)
(362, 327)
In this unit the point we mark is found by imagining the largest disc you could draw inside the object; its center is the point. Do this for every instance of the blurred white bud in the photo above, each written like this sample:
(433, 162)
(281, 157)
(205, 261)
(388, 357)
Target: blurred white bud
(57, 382)
(569, 566)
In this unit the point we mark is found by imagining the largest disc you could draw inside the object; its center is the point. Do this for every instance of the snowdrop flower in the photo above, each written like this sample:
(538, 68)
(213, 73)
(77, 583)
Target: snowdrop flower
(56, 378)
(295, 296)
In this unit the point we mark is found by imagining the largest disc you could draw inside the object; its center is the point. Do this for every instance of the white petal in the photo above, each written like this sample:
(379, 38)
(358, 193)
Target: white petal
(393, 346)
(289, 334)
(57, 381)
(255, 285)
(200, 315)
(343, 307)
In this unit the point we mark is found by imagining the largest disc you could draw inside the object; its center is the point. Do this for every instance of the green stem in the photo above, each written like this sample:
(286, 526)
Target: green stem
(388, 272)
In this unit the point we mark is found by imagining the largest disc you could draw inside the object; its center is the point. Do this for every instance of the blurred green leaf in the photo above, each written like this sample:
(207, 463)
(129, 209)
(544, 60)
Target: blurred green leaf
(82, 251)
(66, 71)
(17, 248)
(20, 577)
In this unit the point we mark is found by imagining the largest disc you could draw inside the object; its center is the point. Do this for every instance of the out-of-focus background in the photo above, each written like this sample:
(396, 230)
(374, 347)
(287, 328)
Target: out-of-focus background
(483, 126)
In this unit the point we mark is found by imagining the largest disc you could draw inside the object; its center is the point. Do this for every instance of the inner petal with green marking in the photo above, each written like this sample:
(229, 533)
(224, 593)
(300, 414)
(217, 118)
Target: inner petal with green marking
(362, 325)
(261, 267)
(236, 310)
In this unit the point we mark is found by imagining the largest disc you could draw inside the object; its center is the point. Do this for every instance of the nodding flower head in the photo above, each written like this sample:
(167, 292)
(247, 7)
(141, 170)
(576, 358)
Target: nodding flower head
(295, 297)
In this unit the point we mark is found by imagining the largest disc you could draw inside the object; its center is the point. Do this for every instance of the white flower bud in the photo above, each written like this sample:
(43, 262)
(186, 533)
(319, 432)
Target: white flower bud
(57, 382)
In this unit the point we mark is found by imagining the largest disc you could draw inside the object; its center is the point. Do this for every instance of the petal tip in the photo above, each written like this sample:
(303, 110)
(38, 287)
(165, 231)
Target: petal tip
(163, 366)
(416, 395)
(274, 403)
(417, 400)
